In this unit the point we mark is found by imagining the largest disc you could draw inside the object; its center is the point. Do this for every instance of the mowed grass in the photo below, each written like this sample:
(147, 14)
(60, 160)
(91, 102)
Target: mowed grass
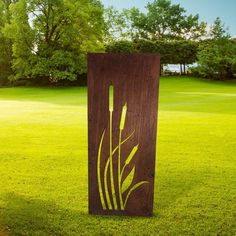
(43, 163)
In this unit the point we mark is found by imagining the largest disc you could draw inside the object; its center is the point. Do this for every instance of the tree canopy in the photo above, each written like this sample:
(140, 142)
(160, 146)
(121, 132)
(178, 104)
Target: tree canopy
(5, 43)
(163, 20)
(218, 30)
(48, 40)
(51, 37)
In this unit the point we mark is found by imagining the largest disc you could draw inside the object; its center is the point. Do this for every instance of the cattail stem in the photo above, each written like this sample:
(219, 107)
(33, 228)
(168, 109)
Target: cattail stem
(99, 173)
(122, 125)
(111, 105)
(119, 173)
(111, 167)
(106, 192)
(106, 188)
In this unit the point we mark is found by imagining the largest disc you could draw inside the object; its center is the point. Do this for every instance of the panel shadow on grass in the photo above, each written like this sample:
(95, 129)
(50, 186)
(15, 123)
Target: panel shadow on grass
(26, 216)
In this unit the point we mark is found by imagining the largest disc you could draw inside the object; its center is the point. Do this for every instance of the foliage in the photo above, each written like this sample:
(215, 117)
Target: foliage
(48, 40)
(163, 20)
(5, 43)
(218, 30)
(20, 32)
(172, 52)
(166, 20)
(117, 25)
(217, 59)
(53, 44)
(217, 55)
(122, 46)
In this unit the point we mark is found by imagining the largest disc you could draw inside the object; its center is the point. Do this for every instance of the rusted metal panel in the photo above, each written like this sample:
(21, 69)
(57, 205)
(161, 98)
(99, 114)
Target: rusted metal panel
(122, 126)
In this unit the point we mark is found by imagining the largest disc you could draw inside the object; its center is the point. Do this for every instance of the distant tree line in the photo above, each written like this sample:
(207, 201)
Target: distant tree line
(47, 41)
(179, 38)
(181, 52)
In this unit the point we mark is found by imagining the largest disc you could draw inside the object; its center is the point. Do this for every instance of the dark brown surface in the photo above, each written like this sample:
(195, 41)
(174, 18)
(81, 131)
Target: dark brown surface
(135, 78)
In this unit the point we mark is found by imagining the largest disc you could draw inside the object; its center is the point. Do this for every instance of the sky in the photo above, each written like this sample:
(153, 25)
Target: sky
(208, 10)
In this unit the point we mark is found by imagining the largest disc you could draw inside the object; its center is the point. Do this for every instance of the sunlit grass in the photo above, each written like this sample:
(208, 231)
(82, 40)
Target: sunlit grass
(43, 163)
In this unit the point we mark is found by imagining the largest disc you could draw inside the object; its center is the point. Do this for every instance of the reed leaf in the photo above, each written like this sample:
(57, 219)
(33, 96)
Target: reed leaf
(128, 180)
(134, 188)
(131, 155)
(129, 158)
(106, 189)
(99, 174)
(113, 152)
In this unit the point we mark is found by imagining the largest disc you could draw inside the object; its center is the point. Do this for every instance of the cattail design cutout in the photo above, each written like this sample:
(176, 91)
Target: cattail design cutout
(112, 198)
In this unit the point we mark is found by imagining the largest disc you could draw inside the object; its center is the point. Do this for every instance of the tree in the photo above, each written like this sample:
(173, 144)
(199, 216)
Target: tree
(116, 25)
(217, 59)
(5, 43)
(22, 36)
(53, 44)
(217, 55)
(172, 52)
(218, 30)
(166, 20)
(163, 20)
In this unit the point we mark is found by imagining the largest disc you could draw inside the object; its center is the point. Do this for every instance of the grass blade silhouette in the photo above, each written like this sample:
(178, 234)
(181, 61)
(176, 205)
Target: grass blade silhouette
(99, 174)
(128, 180)
(129, 158)
(108, 163)
(132, 189)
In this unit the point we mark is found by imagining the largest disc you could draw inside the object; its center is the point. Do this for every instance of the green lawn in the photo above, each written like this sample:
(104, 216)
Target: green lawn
(43, 163)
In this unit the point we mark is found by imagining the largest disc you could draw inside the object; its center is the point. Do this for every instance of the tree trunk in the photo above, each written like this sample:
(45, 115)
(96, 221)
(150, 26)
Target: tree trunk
(161, 69)
(184, 69)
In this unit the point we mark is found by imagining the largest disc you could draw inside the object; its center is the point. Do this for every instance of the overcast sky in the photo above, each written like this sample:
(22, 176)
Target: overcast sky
(208, 10)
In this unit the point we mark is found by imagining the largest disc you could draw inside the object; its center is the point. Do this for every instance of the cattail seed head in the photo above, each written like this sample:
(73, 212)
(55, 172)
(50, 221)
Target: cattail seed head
(111, 97)
(123, 116)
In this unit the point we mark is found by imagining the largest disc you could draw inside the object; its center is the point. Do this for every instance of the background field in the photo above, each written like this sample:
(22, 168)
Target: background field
(43, 163)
